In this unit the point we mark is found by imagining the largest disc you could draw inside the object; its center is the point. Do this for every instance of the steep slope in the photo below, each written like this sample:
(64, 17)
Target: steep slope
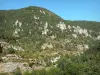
(35, 28)
(31, 17)
(41, 35)
(37, 33)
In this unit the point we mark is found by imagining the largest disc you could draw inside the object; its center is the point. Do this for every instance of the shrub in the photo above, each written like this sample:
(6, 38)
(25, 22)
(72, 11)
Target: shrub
(10, 51)
(1, 49)
(30, 64)
(3, 74)
(17, 72)
(40, 72)
(1, 59)
(54, 71)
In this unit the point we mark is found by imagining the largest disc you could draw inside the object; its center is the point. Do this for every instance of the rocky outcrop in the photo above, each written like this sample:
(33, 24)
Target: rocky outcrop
(11, 66)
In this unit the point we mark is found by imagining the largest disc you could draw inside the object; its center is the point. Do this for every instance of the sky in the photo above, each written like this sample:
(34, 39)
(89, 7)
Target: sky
(67, 9)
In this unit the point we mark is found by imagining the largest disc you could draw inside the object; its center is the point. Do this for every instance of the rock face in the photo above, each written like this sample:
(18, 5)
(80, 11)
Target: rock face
(8, 63)
(17, 48)
(11, 57)
(11, 66)
(3, 46)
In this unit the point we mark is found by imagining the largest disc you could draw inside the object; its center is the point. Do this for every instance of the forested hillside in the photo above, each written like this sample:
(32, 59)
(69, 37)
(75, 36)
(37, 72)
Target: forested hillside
(40, 38)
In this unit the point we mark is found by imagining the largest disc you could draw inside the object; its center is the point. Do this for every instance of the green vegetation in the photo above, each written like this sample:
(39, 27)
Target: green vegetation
(10, 51)
(17, 72)
(1, 49)
(86, 64)
(41, 35)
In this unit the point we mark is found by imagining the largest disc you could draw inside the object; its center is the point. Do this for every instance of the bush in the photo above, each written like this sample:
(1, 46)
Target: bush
(17, 72)
(85, 64)
(54, 71)
(3, 74)
(40, 72)
(10, 51)
(1, 59)
(1, 49)
(30, 64)
(27, 73)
